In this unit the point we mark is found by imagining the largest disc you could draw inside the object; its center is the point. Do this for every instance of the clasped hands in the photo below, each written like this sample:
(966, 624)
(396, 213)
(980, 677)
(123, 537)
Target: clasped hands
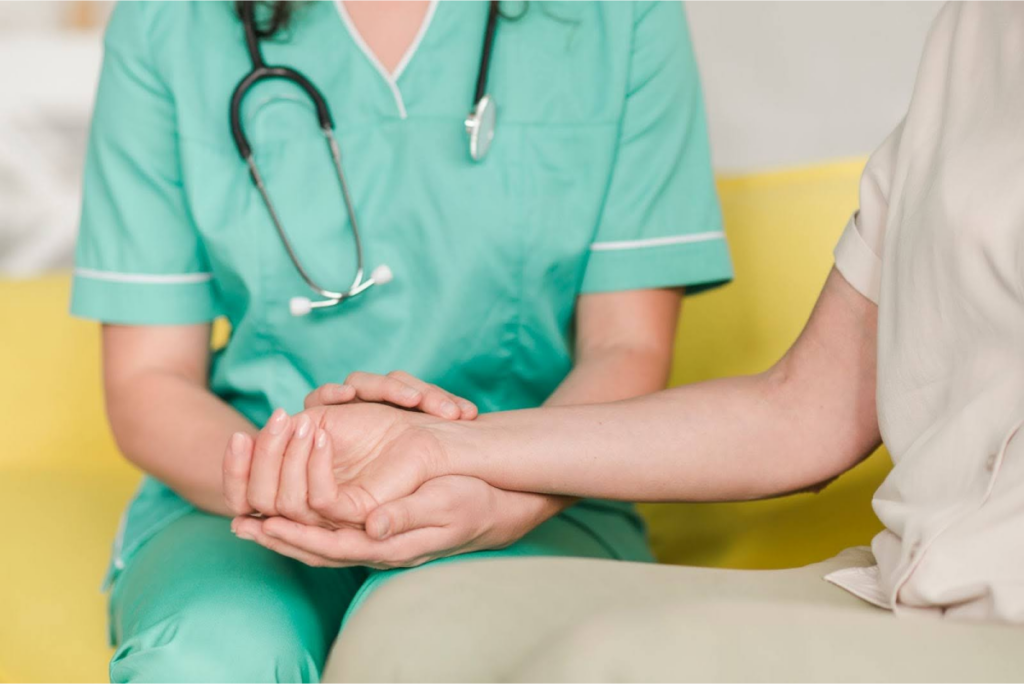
(352, 480)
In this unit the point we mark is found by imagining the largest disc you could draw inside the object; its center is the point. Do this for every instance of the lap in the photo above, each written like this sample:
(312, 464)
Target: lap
(726, 640)
(541, 619)
(196, 603)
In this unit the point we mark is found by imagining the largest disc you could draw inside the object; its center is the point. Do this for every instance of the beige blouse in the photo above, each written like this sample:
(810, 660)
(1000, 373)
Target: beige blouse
(938, 244)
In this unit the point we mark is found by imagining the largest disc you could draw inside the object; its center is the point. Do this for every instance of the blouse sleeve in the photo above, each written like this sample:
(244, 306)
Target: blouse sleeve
(859, 252)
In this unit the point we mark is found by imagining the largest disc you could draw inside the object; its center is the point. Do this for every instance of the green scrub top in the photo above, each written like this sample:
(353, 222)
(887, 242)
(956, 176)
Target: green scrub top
(598, 180)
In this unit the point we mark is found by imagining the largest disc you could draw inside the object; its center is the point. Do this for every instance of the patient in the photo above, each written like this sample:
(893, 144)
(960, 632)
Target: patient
(917, 338)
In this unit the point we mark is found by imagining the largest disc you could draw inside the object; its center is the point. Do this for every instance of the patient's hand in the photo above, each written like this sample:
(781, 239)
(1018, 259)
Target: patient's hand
(270, 477)
(332, 465)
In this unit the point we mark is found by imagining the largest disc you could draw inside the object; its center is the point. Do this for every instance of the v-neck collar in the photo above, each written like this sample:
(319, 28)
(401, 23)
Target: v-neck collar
(390, 79)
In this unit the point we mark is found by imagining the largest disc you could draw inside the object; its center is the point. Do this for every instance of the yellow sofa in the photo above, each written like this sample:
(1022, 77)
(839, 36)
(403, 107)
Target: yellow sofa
(63, 485)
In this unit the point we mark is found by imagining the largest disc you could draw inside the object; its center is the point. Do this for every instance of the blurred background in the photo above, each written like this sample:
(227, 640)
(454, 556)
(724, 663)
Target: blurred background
(787, 84)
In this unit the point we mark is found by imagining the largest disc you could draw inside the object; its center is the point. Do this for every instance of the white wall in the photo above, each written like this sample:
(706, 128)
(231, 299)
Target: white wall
(793, 82)
(18, 16)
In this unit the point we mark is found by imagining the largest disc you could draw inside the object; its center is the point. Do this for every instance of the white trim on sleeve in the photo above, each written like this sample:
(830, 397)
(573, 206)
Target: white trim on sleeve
(615, 245)
(145, 278)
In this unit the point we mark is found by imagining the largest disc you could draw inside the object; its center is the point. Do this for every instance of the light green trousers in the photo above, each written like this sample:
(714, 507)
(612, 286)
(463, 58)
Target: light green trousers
(195, 603)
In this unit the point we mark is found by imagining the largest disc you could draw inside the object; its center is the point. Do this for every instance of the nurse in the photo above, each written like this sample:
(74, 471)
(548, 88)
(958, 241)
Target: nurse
(916, 338)
(550, 271)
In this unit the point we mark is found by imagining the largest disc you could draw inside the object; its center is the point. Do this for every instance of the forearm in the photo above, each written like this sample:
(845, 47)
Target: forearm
(732, 439)
(807, 419)
(615, 375)
(176, 431)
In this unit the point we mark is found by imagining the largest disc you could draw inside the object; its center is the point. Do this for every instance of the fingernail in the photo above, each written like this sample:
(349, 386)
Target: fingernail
(381, 527)
(321, 439)
(242, 534)
(409, 393)
(277, 421)
(449, 410)
(238, 444)
(303, 427)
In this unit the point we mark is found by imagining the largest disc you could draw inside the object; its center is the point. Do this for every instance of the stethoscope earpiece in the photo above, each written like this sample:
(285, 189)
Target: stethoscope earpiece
(382, 275)
(300, 306)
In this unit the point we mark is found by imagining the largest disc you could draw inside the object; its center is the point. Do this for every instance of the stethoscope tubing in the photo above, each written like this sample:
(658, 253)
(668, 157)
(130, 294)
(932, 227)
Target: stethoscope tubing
(493, 11)
(260, 72)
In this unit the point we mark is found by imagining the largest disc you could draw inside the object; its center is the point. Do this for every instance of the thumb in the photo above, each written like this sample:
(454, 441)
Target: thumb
(402, 468)
(425, 508)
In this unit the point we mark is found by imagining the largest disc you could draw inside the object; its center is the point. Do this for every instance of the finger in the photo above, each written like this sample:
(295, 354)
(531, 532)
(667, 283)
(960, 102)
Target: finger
(427, 507)
(237, 461)
(469, 409)
(292, 492)
(330, 394)
(321, 487)
(436, 401)
(265, 473)
(251, 529)
(355, 547)
(246, 526)
(316, 541)
(384, 388)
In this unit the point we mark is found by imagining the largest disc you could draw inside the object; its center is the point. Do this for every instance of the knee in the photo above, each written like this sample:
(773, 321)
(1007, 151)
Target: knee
(192, 648)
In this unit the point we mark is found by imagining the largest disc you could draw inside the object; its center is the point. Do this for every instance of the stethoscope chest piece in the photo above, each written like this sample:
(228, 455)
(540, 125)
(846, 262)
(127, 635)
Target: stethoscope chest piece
(480, 126)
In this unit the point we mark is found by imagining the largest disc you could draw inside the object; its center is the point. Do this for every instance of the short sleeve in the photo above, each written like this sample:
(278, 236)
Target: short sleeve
(139, 258)
(859, 252)
(661, 224)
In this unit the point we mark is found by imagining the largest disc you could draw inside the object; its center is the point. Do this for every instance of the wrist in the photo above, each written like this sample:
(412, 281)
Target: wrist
(459, 447)
(517, 513)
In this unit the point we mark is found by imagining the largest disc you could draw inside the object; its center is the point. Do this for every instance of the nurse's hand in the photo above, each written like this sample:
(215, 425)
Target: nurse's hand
(448, 515)
(398, 388)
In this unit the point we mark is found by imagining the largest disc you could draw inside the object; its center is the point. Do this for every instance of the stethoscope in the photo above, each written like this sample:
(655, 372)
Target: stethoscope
(479, 126)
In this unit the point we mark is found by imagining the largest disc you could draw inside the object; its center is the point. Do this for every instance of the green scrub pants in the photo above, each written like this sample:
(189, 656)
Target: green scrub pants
(195, 603)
